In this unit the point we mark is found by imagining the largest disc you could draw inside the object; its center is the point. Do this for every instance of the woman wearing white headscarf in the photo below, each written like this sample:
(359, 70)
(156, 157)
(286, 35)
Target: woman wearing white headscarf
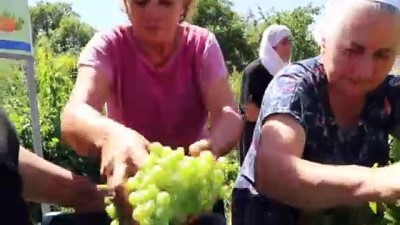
(275, 52)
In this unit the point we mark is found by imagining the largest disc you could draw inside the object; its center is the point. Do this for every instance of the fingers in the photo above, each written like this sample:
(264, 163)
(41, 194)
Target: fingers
(106, 166)
(194, 149)
(118, 176)
(197, 147)
(124, 209)
(116, 182)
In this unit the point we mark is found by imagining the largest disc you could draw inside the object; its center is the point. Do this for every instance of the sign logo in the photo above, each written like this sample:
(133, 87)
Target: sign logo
(15, 27)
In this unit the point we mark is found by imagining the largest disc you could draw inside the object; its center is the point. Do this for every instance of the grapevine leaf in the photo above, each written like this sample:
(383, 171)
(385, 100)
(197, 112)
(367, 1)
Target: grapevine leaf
(373, 207)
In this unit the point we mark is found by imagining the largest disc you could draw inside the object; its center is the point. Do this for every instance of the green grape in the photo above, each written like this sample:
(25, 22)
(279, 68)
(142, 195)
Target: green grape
(139, 213)
(207, 155)
(164, 182)
(147, 221)
(166, 163)
(178, 155)
(147, 180)
(163, 199)
(153, 191)
(172, 186)
(136, 198)
(225, 192)
(219, 177)
(111, 211)
(205, 168)
(222, 163)
(132, 183)
(139, 175)
(166, 151)
(107, 201)
(114, 222)
(151, 161)
(150, 207)
(162, 213)
(156, 148)
(157, 172)
(181, 150)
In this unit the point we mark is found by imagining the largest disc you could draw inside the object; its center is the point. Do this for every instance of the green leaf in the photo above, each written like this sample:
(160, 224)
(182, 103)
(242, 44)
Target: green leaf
(373, 207)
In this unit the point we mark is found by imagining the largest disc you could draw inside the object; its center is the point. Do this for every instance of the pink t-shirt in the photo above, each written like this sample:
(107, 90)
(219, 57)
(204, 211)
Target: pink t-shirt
(164, 104)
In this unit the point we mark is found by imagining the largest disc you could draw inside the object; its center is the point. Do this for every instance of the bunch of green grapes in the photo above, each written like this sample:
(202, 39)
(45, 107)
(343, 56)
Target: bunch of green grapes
(171, 186)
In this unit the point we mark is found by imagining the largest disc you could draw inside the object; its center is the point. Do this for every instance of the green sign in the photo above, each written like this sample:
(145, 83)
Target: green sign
(15, 27)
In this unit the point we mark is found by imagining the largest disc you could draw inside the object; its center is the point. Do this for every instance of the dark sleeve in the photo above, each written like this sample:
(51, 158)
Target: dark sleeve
(244, 91)
(286, 94)
(393, 97)
(9, 142)
(11, 182)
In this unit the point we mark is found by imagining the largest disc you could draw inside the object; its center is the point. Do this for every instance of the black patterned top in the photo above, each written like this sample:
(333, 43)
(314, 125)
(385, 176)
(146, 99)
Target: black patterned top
(300, 90)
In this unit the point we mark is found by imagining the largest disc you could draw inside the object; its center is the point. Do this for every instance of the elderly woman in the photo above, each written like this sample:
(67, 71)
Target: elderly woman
(325, 121)
(274, 53)
(160, 78)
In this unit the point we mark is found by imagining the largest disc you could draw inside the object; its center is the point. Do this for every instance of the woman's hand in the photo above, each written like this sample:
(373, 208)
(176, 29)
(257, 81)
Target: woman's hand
(86, 196)
(199, 146)
(122, 153)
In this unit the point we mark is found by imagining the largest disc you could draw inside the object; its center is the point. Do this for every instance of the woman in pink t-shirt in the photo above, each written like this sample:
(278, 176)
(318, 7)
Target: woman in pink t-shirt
(160, 79)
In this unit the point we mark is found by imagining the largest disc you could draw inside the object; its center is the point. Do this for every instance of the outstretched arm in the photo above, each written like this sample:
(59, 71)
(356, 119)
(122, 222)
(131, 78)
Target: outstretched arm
(282, 174)
(226, 122)
(45, 182)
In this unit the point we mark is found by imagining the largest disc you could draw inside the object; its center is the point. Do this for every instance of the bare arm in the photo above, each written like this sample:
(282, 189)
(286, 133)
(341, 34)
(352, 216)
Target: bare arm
(282, 174)
(83, 127)
(45, 182)
(226, 123)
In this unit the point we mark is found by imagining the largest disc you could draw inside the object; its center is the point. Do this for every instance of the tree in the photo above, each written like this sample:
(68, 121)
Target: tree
(54, 85)
(46, 16)
(71, 35)
(229, 28)
(61, 25)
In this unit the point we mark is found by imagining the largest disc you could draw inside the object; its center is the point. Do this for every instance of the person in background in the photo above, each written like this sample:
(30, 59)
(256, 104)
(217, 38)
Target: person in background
(274, 53)
(24, 176)
(324, 123)
(160, 78)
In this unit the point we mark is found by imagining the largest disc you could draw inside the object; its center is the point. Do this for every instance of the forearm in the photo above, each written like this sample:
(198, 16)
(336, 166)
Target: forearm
(321, 186)
(225, 132)
(45, 182)
(85, 129)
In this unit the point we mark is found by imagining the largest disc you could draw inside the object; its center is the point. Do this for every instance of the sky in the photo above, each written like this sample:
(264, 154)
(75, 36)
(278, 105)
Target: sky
(104, 14)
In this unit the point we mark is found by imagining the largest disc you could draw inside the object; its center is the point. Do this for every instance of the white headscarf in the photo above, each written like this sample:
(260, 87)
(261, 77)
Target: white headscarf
(270, 38)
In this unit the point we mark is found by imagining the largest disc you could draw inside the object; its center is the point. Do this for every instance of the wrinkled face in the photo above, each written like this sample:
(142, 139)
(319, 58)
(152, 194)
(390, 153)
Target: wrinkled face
(155, 21)
(359, 56)
(284, 48)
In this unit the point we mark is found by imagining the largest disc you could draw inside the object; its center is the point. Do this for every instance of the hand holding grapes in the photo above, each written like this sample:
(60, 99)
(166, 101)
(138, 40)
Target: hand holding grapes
(122, 153)
(172, 188)
(196, 148)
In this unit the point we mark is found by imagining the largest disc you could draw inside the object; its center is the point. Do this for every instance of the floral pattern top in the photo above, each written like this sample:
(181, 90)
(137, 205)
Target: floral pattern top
(300, 90)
